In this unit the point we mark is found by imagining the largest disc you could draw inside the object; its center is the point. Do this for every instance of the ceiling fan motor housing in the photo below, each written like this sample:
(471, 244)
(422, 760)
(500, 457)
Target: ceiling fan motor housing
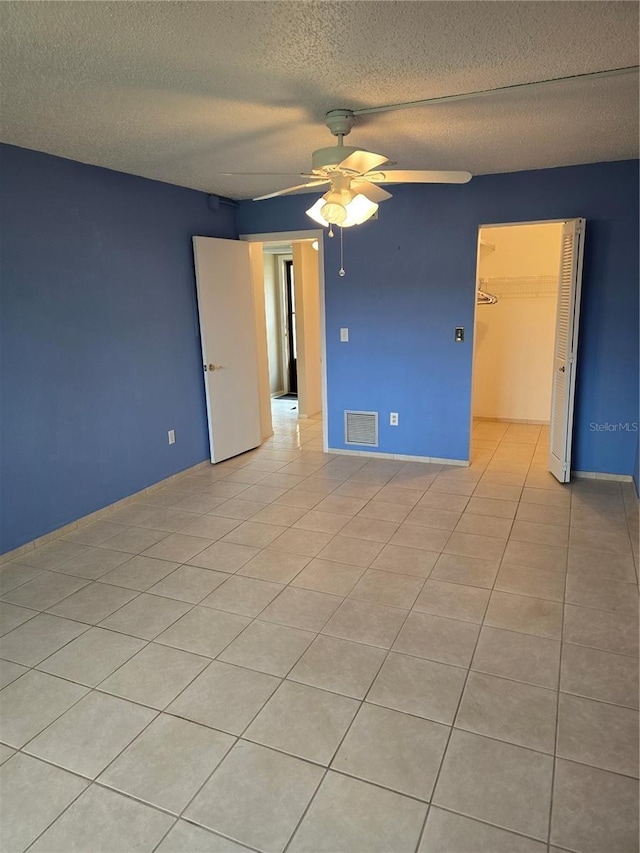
(324, 161)
(339, 122)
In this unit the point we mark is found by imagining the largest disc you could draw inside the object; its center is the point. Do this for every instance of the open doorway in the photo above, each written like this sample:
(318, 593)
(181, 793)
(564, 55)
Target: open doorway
(290, 329)
(515, 331)
(288, 282)
(233, 336)
(280, 316)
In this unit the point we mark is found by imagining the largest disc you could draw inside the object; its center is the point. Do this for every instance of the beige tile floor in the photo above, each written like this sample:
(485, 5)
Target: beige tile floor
(307, 652)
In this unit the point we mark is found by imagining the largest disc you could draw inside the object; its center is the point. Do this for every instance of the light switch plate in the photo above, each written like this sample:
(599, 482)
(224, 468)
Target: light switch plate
(344, 335)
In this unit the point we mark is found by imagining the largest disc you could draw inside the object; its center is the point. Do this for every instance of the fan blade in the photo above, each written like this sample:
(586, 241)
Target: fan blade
(291, 190)
(418, 177)
(268, 174)
(362, 161)
(371, 191)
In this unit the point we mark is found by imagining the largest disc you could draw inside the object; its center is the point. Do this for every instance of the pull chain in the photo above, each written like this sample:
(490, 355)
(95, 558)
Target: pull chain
(341, 271)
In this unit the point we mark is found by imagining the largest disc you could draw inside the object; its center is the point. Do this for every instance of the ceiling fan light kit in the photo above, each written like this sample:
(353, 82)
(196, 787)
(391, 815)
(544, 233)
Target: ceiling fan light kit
(336, 200)
(356, 212)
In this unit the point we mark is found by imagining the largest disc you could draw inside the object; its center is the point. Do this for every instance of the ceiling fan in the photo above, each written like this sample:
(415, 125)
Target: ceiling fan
(354, 176)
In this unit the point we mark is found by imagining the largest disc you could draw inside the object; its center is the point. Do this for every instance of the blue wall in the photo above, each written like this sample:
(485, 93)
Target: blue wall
(100, 353)
(99, 339)
(410, 282)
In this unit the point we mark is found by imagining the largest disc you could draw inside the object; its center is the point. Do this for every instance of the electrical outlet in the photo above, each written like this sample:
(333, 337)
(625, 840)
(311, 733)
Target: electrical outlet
(172, 436)
(393, 419)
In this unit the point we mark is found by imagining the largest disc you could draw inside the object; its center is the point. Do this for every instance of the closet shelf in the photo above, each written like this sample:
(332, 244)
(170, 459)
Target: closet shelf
(520, 286)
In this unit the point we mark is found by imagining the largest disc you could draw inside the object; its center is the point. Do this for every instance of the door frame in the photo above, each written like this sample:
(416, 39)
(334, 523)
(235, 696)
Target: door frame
(475, 301)
(308, 235)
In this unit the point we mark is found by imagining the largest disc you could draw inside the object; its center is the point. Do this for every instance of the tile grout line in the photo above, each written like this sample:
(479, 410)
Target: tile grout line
(559, 683)
(157, 714)
(132, 500)
(95, 688)
(256, 618)
(361, 702)
(163, 710)
(59, 815)
(140, 592)
(453, 719)
(94, 781)
(326, 768)
(348, 729)
(469, 670)
(553, 762)
(239, 737)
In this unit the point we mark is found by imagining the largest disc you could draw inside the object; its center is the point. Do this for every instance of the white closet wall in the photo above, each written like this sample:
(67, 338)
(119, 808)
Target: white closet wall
(513, 359)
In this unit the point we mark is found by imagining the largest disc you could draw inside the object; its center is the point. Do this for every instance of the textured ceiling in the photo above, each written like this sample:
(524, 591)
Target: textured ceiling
(181, 91)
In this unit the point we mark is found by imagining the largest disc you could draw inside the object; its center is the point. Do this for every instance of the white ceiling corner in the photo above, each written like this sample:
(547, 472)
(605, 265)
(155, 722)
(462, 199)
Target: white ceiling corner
(182, 91)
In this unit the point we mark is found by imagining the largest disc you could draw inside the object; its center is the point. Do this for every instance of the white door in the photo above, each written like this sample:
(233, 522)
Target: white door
(228, 338)
(566, 349)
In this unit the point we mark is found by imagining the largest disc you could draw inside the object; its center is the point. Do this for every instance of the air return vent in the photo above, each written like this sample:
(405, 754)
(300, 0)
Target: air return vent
(361, 428)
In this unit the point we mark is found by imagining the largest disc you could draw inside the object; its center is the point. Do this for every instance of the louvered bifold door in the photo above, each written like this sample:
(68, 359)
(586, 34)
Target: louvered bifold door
(565, 351)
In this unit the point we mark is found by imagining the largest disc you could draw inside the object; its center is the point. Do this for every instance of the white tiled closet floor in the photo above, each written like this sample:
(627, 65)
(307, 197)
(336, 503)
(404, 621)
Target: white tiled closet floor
(334, 654)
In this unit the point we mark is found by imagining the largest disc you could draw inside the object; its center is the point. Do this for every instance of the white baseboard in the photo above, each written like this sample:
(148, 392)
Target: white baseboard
(399, 456)
(511, 420)
(595, 475)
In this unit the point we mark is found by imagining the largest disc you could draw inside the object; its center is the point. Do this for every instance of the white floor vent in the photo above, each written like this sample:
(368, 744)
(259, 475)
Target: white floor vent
(361, 428)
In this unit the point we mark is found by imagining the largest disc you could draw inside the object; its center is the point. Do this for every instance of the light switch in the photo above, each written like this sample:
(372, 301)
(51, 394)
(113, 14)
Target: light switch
(344, 335)
(459, 336)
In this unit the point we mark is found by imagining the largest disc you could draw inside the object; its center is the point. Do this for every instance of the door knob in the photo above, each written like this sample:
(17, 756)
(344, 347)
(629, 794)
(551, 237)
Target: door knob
(562, 369)
(212, 367)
